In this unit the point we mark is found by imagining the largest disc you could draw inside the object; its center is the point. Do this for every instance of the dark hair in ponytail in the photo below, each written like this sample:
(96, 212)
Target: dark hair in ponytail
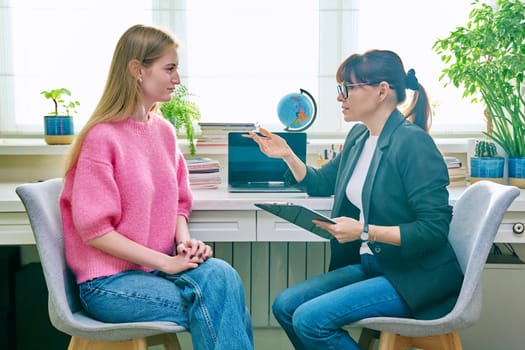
(375, 66)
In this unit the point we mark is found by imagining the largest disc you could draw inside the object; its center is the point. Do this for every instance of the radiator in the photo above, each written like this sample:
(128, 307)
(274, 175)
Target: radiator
(266, 268)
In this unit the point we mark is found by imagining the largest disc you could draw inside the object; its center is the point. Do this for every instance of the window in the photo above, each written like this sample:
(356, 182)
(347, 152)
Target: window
(238, 57)
(67, 44)
(410, 28)
(242, 65)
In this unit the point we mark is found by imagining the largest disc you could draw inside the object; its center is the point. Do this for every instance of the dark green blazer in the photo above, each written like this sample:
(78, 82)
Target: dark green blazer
(406, 187)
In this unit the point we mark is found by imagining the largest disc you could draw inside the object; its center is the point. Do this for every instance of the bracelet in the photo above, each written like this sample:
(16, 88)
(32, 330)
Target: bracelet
(374, 235)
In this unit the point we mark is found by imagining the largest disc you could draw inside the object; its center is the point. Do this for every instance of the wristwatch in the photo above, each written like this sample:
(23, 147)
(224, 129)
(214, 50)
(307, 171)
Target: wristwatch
(364, 234)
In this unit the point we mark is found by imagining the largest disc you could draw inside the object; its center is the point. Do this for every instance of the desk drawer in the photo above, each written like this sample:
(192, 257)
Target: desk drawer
(273, 228)
(223, 225)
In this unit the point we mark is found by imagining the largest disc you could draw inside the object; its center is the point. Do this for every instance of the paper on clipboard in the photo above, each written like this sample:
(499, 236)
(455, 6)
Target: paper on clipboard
(298, 215)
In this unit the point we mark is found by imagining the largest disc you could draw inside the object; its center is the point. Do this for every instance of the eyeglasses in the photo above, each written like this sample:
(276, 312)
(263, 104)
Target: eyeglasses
(342, 89)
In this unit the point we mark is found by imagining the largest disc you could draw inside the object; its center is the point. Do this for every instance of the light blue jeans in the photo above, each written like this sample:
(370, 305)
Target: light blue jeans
(313, 312)
(208, 301)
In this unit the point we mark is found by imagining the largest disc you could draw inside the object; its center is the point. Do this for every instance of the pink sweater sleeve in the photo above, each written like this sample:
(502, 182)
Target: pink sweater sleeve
(95, 197)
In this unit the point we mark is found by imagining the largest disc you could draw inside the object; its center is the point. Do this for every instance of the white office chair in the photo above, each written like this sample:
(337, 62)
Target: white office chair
(41, 201)
(476, 218)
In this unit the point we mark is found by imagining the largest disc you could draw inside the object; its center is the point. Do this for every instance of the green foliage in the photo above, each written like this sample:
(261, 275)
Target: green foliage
(485, 149)
(68, 106)
(487, 59)
(182, 112)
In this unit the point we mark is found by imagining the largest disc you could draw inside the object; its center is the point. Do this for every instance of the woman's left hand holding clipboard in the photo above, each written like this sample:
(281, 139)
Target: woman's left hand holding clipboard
(344, 230)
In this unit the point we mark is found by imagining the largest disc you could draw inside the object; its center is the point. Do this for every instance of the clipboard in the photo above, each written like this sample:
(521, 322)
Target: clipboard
(298, 215)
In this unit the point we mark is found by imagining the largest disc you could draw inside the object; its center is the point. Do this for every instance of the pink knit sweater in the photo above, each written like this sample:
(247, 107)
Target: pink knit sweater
(132, 178)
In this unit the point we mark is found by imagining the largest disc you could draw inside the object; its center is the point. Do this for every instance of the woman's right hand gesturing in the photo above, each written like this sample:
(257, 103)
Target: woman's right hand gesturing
(275, 146)
(270, 144)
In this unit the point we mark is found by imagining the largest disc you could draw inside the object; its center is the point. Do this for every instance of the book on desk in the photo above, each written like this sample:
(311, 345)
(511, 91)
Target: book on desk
(204, 173)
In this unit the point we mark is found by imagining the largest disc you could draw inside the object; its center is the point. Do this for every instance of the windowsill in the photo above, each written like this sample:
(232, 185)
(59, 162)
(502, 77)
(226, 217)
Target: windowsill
(29, 146)
(35, 146)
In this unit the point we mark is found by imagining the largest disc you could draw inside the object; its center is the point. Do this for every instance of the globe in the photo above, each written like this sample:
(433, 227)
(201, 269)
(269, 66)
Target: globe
(297, 111)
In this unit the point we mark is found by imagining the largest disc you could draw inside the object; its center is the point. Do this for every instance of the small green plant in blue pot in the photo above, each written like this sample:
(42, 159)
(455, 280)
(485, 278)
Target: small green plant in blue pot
(58, 124)
(486, 164)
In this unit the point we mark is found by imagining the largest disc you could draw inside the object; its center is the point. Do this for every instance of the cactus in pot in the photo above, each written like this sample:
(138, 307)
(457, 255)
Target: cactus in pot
(485, 149)
(486, 164)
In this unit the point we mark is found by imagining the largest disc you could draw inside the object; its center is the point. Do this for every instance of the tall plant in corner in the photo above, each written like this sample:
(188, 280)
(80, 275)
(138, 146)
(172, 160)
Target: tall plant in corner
(486, 58)
(182, 112)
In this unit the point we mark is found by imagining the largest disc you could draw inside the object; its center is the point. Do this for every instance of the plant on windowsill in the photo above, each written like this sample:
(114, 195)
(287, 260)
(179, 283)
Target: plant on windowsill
(486, 164)
(486, 58)
(182, 113)
(58, 124)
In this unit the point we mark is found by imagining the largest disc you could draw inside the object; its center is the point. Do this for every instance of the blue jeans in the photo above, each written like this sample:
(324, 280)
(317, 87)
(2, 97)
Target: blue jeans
(313, 312)
(208, 301)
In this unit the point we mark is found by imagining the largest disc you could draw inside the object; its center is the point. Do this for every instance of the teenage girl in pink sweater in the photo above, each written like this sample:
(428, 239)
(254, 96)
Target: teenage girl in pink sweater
(126, 204)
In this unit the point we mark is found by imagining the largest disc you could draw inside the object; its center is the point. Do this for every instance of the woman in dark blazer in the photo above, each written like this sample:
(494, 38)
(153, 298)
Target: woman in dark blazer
(390, 255)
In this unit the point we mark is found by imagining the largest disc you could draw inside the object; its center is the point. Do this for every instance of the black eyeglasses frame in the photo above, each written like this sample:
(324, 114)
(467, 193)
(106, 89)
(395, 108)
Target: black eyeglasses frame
(344, 88)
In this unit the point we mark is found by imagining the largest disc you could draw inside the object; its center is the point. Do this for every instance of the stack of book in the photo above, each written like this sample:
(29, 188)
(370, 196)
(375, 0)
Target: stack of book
(456, 172)
(216, 134)
(204, 173)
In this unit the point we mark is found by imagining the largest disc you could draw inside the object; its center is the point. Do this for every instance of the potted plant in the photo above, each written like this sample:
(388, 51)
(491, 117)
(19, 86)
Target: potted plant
(486, 164)
(486, 58)
(182, 113)
(58, 124)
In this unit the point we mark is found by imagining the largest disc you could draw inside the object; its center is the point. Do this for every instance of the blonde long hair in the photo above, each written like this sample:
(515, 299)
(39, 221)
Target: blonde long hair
(122, 94)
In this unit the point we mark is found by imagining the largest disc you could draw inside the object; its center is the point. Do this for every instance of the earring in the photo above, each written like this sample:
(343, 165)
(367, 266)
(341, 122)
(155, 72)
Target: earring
(140, 80)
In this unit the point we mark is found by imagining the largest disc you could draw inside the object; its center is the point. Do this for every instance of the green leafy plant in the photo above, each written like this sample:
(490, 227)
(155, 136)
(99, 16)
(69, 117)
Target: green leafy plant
(67, 106)
(486, 58)
(182, 112)
(485, 149)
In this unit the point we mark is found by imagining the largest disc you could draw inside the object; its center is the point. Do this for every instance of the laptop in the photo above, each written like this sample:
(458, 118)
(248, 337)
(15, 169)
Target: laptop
(250, 170)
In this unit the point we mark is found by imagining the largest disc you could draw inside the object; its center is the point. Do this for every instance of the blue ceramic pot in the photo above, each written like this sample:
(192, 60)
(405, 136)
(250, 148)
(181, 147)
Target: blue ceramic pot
(517, 172)
(517, 167)
(58, 130)
(486, 167)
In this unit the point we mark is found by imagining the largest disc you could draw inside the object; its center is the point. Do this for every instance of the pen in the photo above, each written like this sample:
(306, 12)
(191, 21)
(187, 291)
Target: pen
(269, 183)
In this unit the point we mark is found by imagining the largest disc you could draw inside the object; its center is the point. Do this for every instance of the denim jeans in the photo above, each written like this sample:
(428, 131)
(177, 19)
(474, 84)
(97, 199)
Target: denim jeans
(313, 312)
(208, 301)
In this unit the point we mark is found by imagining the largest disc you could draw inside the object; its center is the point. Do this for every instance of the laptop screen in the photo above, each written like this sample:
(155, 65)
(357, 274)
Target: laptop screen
(248, 165)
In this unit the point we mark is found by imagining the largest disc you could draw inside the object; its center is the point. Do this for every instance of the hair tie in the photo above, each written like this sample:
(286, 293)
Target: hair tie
(411, 80)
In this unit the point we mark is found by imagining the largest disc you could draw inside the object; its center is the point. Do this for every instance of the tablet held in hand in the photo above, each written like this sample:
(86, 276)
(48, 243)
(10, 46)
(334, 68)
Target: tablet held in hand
(298, 215)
